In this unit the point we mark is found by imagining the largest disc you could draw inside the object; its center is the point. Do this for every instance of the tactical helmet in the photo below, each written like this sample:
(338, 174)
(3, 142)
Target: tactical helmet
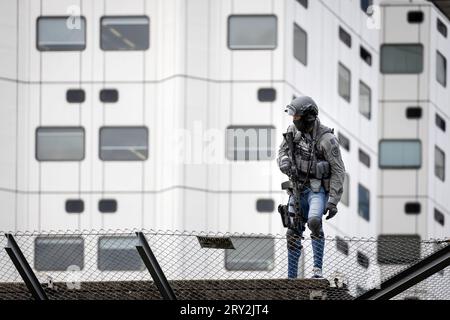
(302, 106)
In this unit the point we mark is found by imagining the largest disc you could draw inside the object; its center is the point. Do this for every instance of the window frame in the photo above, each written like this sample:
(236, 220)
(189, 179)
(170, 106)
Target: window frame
(436, 151)
(359, 202)
(404, 45)
(252, 239)
(347, 190)
(296, 26)
(441, 27)
(364, 51)
(402, 167)
(124, 16)
(340, 64)
(247, 16)
(362, 84)
(56, 17)
(115, 237)
(271, 127)
(345, 36)
(439, 54)
(59, 127)
(123, 127)
(440, 122)
(64, 238)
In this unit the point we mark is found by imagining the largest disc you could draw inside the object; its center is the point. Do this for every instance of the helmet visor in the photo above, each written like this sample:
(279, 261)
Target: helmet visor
(290, 110)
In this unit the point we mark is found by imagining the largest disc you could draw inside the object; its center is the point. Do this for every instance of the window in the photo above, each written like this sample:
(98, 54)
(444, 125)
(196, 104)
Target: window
(60, 144)
(342, 245)
(364, 158)
(401, 58)
(398, 249)
(252, 32)
(344, 82)
(442, 28)
(345, 198)
(365, 55)
(107, 205)
(400, 154)
(441, 69)
(345, 37)
(303, 3)
(300, 44)
(363, 202)
(75, 95)
(109, 95)
(119, 254)
(344, 141)
(365, 100)
(58, 253)
(439, 217)
(415, 16)
(265, 205)
(414, 112)
(61, 33)
(440, 122)
(250, 143)
(74, 206)
(267, 95)
(251, 253)
(124, 143)
(365, 4)
(439, 163)
(412, 207)
(362, 259)
(125, 33)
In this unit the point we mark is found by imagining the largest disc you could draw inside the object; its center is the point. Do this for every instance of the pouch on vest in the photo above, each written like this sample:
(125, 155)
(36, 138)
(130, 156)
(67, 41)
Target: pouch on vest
(315, 185)
(322, 169)
(326, 184)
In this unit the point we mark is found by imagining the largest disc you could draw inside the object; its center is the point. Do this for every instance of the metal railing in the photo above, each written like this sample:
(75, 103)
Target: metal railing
(115, 264)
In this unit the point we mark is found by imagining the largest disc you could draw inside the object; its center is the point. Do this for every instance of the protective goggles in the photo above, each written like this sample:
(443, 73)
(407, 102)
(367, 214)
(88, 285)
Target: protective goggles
(290, 110)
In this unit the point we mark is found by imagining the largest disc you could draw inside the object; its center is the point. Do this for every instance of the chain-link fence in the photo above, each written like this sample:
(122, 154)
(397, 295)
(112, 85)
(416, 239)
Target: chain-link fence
(106, 265)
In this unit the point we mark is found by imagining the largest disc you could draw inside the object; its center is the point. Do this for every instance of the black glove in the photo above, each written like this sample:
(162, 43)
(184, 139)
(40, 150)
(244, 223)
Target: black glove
(331, 209)
(285, 166)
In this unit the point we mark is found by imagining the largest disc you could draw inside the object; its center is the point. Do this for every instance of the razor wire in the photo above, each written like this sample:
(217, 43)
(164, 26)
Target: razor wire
(105, 265)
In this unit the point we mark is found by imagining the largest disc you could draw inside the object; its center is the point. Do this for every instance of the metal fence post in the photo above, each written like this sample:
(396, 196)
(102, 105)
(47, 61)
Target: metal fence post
(411, 276)
(154, 268)
(25, 271)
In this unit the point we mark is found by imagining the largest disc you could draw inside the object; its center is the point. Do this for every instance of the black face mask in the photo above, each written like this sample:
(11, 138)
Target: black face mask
(303, 126)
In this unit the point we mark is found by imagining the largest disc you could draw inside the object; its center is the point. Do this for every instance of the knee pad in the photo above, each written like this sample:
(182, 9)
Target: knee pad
(315, 225)
(293, 239)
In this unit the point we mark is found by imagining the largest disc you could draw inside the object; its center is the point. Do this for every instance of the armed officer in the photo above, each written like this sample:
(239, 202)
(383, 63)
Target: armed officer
(311, 157)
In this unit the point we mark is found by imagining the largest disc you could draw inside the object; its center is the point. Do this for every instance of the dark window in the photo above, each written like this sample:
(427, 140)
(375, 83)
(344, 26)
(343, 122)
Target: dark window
(400, 154)
(109, 95)
(442, 28)
(251, 254)
(415, 16)
(363, 202)
(365, 55)
(412, 207)
(300, 44)
(440, 122)
(124, 143)
(265, 205)
(401, 58)
(248, 143)
(125, 33)
(439, 217)
(365, 4)
(398, 249)
(58, 253)
(362, 259)
(74, 206)
(303, 3)
(60, 144)
(107, 205)
(61, 33)
(414, 112)
(342, 245)
(119, 254)
(411, 298)
(345, 37)
(439, 163)
(441, 69)
(344, 82)
(267, 94)
(364, 158)
(75, 95)
(365, 100)
(344, 141)
(250, 32)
